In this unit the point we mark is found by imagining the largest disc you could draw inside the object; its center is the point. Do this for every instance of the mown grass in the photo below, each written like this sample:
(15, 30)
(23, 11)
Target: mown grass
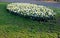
(12, 26)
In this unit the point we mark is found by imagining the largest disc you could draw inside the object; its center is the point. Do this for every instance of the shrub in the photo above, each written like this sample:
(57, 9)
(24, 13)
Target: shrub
(33, 11)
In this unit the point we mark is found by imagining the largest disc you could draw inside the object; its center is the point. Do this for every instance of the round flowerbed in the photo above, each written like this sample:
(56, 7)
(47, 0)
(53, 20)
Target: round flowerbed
(33, 11)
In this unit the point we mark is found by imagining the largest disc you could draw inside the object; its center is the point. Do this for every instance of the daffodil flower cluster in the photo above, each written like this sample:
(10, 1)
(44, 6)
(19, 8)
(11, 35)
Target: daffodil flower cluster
(27, 9)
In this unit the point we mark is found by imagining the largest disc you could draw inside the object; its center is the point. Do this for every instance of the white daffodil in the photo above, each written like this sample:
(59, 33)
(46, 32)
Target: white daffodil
(27, 9)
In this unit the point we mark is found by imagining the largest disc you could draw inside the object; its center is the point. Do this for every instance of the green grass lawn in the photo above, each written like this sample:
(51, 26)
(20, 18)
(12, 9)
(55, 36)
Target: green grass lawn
(12, 26)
